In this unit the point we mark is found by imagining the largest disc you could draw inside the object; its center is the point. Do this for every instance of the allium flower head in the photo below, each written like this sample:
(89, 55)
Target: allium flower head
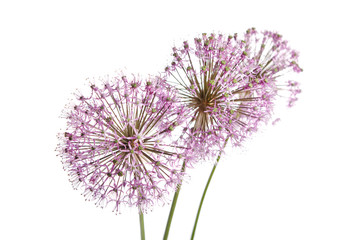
(275, 59)
(219, 84)
(117, 147)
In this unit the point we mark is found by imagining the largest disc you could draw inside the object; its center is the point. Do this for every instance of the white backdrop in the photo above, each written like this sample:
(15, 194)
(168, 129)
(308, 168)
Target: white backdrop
(296, 180)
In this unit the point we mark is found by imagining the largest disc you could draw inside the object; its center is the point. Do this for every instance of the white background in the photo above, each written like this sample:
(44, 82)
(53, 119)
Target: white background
(296, 180)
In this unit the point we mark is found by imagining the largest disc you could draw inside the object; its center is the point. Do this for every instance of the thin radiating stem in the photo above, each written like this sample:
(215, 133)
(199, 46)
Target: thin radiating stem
(173, 205)
(142, 227)
(204, 193)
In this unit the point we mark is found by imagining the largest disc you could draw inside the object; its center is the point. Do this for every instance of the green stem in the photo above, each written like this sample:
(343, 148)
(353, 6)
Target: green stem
(142, 227)
(204, 193)
(173, 205)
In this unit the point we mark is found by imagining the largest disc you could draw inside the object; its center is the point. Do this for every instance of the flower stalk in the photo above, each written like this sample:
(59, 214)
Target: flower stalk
(173, 205)
(142, 226)
(205, 190)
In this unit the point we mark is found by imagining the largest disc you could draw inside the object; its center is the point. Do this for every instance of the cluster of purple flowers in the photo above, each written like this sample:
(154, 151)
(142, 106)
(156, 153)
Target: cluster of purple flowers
(123, 146)
(118, 145)
(275, 60)
(229, 86)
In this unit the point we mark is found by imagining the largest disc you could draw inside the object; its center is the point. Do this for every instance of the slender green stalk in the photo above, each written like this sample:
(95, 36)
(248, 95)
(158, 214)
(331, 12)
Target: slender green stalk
(142, 227)
(173, 205)
(204, 193)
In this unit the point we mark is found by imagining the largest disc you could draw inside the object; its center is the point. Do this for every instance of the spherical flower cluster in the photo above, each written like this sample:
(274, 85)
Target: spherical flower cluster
(118, 148)
(224, 94)
(275, 60)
